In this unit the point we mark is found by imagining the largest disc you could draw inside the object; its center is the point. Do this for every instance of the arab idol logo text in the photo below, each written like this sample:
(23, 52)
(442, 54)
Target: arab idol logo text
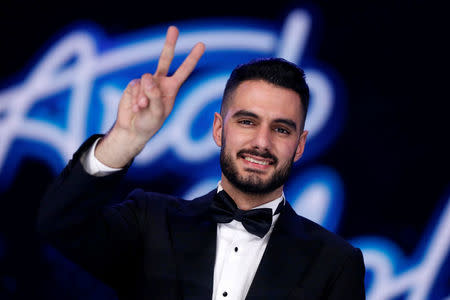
(74, 90)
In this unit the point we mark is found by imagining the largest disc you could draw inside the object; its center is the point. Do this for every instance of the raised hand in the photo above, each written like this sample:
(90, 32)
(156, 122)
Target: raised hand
(145, 105)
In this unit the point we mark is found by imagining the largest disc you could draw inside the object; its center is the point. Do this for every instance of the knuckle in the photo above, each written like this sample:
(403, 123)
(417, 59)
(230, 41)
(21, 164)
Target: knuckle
(146, 76)
(153, 93)
(132, 83)
(136, 86)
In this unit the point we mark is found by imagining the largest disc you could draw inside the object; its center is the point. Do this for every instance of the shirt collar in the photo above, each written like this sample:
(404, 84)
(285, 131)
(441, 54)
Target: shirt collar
(273, 204)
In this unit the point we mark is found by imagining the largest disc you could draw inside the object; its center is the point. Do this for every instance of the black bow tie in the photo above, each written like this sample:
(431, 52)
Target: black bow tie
(256, 221)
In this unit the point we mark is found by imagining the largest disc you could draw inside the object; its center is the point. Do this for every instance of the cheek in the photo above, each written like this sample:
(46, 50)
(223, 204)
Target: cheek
(236, 140)
(286, 151)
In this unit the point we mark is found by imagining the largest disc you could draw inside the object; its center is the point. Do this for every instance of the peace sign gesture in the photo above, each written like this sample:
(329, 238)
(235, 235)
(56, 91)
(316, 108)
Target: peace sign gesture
(145, 105)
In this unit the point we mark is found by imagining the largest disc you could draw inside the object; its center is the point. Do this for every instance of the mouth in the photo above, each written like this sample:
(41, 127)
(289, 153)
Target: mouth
(257, 160)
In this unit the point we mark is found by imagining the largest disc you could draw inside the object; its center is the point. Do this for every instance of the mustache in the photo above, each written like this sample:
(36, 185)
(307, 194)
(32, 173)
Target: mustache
(264, 154)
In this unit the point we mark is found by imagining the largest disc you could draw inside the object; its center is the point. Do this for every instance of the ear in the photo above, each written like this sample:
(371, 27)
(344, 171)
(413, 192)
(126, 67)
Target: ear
(301, 145)
(217, 129)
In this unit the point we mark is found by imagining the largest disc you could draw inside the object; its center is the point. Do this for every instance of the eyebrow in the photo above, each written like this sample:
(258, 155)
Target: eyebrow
(245, 113)
(287, 122)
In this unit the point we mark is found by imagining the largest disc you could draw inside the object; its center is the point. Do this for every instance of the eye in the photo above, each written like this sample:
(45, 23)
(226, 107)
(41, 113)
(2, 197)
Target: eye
(245, 122)
(282, 130)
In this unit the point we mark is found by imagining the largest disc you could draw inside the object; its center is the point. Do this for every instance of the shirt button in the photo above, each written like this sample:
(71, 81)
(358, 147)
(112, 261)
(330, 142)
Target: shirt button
(225, 294)
(236, 249)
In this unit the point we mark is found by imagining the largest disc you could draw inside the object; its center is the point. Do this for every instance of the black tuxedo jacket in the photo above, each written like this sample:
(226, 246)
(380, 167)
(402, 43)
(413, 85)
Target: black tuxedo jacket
(154, 246)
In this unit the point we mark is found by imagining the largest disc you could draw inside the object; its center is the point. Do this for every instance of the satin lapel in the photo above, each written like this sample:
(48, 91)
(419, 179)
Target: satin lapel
(194, 242)
(286, 259)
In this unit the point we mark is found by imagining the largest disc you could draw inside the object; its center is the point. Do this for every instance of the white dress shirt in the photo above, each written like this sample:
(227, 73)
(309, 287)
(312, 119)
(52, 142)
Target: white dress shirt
(238, 253)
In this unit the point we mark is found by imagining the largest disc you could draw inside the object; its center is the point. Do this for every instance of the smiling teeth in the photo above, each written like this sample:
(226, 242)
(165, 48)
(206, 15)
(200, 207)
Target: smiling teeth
(264, 163)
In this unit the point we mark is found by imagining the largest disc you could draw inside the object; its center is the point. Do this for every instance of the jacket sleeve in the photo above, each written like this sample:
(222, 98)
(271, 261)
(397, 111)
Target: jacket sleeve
(76, 218)
(349, 281)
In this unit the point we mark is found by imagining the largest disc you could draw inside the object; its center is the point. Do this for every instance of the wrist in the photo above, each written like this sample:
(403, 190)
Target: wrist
(118, 147)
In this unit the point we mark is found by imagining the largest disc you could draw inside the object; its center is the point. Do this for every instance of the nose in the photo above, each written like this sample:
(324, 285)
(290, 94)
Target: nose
(262, 138)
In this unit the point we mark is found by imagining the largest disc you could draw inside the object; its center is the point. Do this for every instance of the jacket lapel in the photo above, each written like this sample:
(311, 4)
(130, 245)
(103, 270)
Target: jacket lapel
(194, 245)
(286, 259)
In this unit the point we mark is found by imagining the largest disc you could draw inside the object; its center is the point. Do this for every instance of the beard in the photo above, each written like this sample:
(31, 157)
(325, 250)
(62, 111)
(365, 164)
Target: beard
(252, 183)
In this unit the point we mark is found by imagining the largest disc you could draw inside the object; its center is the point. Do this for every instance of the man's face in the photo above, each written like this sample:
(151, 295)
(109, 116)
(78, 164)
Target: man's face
(260, 136)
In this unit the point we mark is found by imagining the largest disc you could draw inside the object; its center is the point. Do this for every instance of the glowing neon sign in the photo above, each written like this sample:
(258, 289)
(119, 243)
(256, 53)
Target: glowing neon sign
(73, 91)
(392, 275)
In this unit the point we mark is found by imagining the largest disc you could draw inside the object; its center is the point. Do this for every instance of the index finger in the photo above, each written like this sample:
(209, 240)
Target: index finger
(188, 65)
(168, 51)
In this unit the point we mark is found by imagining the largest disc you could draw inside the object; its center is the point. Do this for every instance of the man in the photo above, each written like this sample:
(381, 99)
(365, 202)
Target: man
(241, 240)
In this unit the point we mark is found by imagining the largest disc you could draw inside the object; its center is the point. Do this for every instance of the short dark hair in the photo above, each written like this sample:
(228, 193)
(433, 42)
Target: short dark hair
(276, 71)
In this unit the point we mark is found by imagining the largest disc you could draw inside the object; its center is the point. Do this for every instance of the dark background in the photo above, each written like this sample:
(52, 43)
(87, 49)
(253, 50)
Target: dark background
(392, 152)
